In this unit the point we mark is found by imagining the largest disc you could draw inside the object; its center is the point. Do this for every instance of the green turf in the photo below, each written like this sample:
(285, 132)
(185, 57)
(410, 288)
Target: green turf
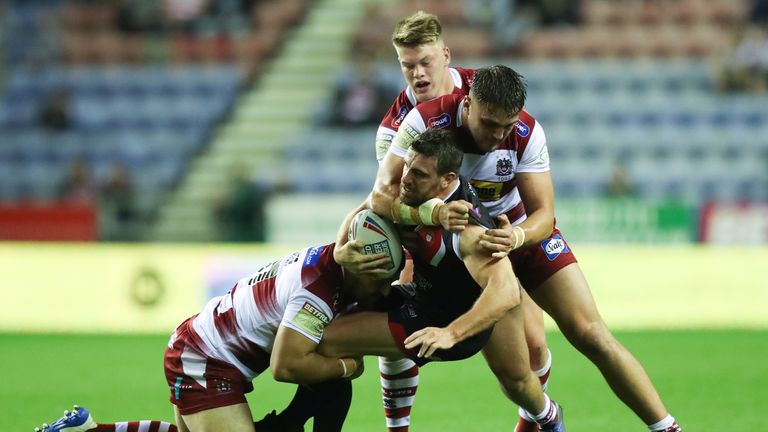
(709, 380)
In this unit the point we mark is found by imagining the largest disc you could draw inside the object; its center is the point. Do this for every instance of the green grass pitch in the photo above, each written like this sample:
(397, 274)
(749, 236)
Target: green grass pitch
(709, 379)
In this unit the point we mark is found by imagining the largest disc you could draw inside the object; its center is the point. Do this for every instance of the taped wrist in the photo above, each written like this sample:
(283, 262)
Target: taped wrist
(519, 236)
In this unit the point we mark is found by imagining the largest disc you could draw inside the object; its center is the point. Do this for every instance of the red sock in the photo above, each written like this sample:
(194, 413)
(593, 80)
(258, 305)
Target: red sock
(399, 381)
(135, 426)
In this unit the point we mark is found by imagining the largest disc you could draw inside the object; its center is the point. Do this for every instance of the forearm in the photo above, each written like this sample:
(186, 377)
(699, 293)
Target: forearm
(313, 367)
(537, 226)
(487, 310)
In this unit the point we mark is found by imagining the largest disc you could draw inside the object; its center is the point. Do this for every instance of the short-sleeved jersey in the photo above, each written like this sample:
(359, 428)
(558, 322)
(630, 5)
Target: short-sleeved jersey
(404, 103)
(442, 280)
(301, 292)
(492, 174)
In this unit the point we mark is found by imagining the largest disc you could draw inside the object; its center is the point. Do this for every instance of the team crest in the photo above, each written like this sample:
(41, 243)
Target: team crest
(503, 167)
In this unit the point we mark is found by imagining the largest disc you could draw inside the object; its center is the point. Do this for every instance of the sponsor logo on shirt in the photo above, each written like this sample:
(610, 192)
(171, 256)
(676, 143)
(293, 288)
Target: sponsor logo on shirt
(441, 121)
(503, 167)
(487, 191)
(311, 319)
(400, 116)
(522, 129)
(312, 256)
(554, 246)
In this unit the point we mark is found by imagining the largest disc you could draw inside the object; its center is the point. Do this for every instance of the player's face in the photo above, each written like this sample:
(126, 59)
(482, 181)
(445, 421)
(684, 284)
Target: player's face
(425, 69)
(420, 180)
(488, 125)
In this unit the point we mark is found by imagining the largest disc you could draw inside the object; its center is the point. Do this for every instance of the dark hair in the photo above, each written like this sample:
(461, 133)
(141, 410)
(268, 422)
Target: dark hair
(441, 145)
(499, 87)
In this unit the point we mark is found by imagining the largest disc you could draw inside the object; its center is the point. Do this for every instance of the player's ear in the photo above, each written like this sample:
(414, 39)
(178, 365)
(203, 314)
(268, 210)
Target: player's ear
(447, 54)
(447, 179)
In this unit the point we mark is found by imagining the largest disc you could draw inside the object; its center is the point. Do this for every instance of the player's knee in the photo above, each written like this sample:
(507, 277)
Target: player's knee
(594, 339)
(514, 385)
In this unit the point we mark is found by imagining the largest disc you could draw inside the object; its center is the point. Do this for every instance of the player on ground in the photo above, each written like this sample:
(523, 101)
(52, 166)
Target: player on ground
(507, 161)
(460, 288)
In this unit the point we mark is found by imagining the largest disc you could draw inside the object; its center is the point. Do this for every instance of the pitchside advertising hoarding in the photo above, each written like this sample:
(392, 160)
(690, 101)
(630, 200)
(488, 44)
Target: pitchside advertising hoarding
(97, 288)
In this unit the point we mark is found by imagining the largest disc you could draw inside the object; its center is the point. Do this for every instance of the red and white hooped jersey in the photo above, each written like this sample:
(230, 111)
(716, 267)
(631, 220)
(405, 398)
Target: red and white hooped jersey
(492, 174)
(404, 103)
(300, 291)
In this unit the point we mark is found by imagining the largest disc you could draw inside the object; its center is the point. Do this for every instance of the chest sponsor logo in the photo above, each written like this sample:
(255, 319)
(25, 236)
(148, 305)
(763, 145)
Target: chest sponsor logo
(487, 191)
(503, 167)
(311, 319)
(441, 121)
(522, 129)
(554, 246)
(313, 255)
(400, 116)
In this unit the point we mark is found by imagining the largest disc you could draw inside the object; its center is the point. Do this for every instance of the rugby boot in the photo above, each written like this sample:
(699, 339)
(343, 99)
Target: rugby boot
(524, 425)
(77, 420)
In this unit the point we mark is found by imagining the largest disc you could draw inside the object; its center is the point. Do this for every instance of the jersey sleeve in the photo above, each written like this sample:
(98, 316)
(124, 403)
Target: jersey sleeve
(413, 125)
(308, 315)
(535, 158)
(390, 124)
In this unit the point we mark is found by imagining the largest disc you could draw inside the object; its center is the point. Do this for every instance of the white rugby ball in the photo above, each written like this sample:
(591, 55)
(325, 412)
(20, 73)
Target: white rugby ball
(379, 235)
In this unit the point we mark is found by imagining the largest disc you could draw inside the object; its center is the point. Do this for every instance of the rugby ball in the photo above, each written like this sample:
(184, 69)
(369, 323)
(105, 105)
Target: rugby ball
(378, 235)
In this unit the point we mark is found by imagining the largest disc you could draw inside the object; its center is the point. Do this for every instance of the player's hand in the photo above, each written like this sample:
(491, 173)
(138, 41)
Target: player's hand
(501, 240)
(431, 339)
(351, 257)
(454, 215)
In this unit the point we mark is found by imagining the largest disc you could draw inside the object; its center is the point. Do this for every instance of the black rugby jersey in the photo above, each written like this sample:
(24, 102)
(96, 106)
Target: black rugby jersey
(442, 280)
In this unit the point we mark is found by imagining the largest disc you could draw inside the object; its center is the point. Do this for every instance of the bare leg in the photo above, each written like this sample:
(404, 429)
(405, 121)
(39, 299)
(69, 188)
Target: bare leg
(232, 418)
(179, 420)
(535, 335)
(507, 355)
(567, 299)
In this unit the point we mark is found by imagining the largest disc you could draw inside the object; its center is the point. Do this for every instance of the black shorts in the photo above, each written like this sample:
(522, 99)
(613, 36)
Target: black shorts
(411, 316)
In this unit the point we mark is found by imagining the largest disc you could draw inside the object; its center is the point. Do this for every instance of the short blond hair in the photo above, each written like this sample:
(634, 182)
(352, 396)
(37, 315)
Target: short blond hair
(418, 29)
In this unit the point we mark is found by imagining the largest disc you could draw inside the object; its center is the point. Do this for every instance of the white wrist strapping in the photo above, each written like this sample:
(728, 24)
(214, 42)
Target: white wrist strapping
(519, 233)
(344, 365)
(427, 209)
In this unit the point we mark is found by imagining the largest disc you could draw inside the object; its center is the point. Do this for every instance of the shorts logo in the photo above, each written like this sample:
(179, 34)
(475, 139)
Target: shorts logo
(554, 246)
(522, 129)
(400, 116)
(441, 121)
(313, 255)
(311, 319)
(503, 167)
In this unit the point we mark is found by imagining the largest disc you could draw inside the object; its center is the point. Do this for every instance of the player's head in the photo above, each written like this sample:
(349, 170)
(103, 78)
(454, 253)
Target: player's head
(431, 166)
(423, 56)
(493, 106)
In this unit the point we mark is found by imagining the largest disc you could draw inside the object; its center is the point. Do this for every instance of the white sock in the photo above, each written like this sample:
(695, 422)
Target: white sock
(548, 414)
(662, 424)
(399, 381)
(543, 373)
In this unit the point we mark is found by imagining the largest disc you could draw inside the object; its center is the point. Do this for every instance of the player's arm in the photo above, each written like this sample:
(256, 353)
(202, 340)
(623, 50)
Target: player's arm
(295, 360)
(500, 294)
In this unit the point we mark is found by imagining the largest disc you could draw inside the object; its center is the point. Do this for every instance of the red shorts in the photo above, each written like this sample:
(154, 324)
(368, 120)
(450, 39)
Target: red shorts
(536, 263)
(197, 382)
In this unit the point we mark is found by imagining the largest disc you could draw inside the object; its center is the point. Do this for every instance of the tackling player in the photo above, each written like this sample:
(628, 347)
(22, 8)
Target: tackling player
(507, 160)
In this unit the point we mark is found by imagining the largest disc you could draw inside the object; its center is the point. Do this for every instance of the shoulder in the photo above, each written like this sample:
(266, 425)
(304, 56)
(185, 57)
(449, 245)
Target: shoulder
(464, 77)
(397, 112)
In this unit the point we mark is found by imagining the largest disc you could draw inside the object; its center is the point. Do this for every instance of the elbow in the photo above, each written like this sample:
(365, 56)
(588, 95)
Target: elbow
(284, 371)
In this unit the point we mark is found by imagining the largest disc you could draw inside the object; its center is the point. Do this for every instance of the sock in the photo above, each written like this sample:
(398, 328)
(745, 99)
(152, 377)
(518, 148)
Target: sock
(334, 399)
(399, 380)
(549, 414)
(301, 408)
(135, 426)
(665, 424)
(543, 375)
